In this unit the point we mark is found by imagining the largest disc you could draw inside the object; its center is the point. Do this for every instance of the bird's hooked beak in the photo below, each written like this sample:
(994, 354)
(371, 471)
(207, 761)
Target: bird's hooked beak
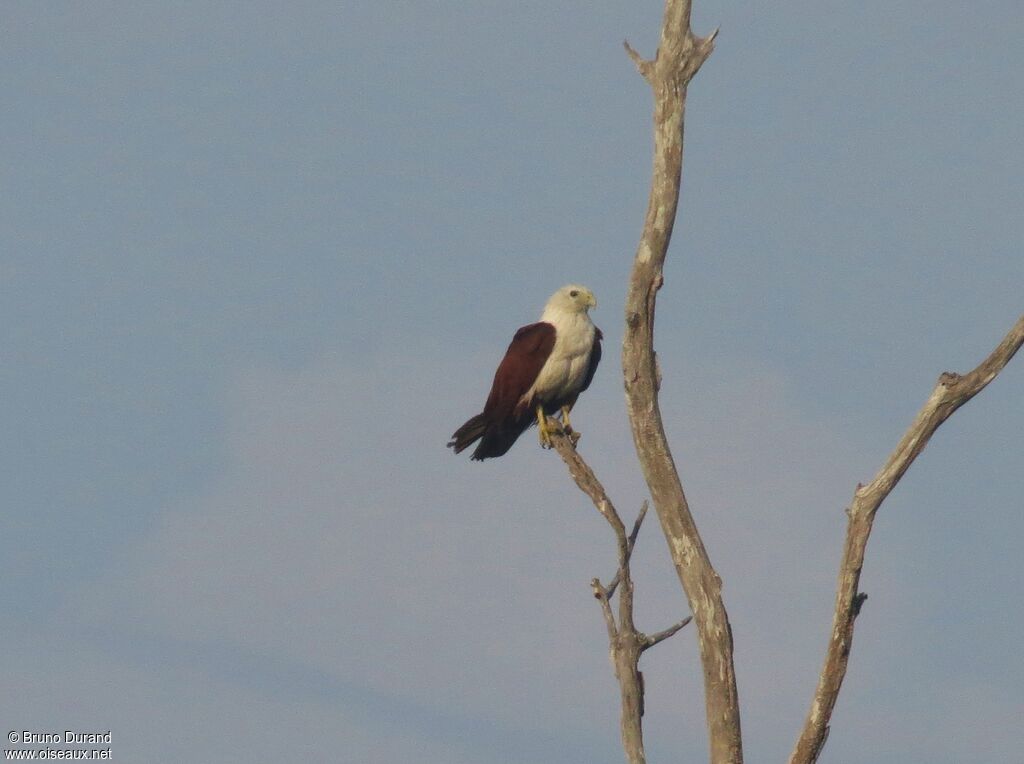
(591, 301)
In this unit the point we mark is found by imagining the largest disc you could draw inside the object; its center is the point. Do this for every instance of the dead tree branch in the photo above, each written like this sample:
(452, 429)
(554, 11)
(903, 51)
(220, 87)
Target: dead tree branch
(661, 636)
(951, 392)
(630, 543)
(679, 57)
(625, 642)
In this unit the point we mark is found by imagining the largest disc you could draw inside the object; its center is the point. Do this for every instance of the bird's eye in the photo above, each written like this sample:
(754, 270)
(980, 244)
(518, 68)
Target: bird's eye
(574, 293)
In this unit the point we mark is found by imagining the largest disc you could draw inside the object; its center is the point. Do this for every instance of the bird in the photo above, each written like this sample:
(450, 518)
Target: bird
(546, 367)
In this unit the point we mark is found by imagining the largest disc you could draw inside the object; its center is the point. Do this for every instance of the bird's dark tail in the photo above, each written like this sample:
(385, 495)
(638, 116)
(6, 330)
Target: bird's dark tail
(468, 434)
(495, 440)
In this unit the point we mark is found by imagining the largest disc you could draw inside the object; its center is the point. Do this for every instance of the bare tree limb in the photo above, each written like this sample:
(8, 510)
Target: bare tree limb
(586, 479)
(951, 392)
(679, 57)
(626, 644)
(661, 636)
(644, 67)
(623, 640)
(631, 542)
(601, 595)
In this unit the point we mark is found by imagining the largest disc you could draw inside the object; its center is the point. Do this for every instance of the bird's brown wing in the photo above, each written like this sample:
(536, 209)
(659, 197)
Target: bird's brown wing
(525, 357)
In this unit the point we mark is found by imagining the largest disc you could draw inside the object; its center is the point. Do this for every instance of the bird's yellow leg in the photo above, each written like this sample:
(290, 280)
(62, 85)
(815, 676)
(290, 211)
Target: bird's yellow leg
(567, 426)
(542, 425)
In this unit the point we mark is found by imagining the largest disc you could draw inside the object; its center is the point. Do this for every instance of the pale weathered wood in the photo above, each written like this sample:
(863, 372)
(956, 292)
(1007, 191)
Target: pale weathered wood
(951, 392)
(679, 57)
(625, 643)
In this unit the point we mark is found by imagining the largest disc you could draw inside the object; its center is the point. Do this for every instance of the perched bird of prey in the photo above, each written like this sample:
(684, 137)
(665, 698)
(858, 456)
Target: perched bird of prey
(546, 367)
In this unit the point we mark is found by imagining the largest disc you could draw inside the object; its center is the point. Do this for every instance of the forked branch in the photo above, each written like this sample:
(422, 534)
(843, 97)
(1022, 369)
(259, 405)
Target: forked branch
(951, 392)
(625, 642)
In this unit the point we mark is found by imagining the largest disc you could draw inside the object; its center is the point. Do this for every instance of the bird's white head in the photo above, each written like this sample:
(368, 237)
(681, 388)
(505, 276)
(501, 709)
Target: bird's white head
(571, 298)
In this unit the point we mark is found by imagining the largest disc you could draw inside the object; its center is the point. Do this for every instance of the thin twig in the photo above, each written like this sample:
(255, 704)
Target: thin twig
(642, 65)
(630, 543)
(661, 636)
(602, 596)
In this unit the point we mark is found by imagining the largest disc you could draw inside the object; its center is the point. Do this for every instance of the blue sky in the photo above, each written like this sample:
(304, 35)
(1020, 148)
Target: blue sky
(257, 262)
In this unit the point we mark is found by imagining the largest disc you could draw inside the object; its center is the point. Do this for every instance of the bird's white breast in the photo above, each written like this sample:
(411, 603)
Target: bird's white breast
(566, 367)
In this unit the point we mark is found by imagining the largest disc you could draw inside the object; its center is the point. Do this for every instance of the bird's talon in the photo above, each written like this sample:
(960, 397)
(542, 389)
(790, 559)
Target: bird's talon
(543, 424)
(552, 427)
